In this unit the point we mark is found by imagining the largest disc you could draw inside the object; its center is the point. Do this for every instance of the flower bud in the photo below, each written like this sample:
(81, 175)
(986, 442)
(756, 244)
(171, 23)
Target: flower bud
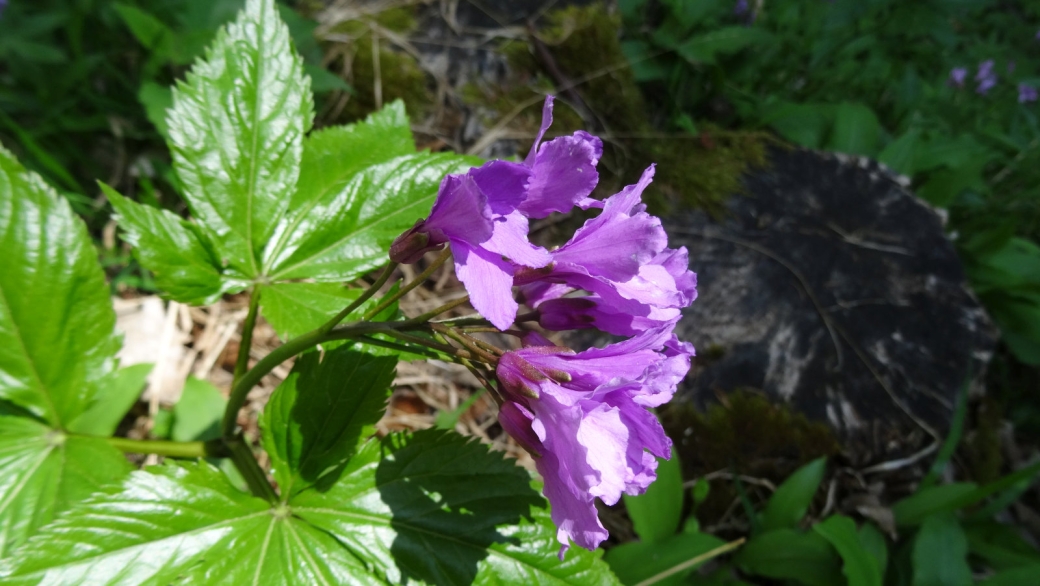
(412, 245)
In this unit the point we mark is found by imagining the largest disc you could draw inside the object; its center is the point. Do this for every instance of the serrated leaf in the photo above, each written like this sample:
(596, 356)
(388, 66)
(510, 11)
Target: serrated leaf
(636, 561)
(43, 472)
(57, 326)
(792, 498)
(349, 229)
(656, 513)
(197, 414)
(438, 509)
(940, 554)
(787, 554)
(436, 506)
(236, 133)
(316, 418)
(293, 309)
(859, 565)
(331, 158)
(174, 250)
(183, 523)
(114, 398)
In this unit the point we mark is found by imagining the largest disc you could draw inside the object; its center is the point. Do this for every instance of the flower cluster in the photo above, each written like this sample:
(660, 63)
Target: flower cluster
(986, 79)
(583, 415)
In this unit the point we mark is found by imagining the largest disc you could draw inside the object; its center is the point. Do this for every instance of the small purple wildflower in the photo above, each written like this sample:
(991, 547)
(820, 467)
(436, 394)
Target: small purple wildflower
(585, 417)
(985, 77)
(1026, 93)
(3, 6)
(741, 7)
(957, 76)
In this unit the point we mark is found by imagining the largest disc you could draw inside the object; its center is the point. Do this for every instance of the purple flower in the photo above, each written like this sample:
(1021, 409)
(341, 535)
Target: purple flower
(3, 6)
(620, 257)
(584, 416)
(484, 215)
(487, 239)
(985, 77)
(957, 76)
(1026, 93)
(555, 176)
(741, 7)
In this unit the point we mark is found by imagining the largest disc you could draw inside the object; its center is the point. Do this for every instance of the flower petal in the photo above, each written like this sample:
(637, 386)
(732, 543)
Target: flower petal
(509, 239)
(563, 173)
(489, 281)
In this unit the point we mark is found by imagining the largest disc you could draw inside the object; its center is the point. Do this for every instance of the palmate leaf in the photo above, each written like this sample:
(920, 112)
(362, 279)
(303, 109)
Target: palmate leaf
(57, 347)
(432, 507)
(42, 472)
(50, 287)
(236, 133)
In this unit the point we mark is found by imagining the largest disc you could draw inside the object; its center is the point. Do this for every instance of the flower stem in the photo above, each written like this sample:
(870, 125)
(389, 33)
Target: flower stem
(247, 335)
(435, 312)
(383, 277)
(246, 463)
(469, 343)
(444, 256)
(210, 449)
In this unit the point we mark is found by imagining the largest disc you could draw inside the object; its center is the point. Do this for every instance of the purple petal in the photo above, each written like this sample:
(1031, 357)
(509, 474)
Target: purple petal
(618, 241)
(605, 438)
(504, 183)
(489, 281)
(460, 211)
(563, 173)
(516, 421)
(547, 120)
(509, 239)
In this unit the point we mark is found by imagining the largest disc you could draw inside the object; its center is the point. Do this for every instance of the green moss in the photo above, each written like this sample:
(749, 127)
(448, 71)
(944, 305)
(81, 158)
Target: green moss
(699, 171)
(400, 76)
(746, 435)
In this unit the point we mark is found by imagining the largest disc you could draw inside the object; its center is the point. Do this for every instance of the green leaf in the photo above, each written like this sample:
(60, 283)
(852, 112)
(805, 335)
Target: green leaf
(950, 497)
(438, 509)
(1001, 546)
(802, 124)
(197, 414)
(856, 130)
(706, 47)
(1025, 576)
(637, 561)
(147, 29)
(57, 326)
(236, 133)
(874, 542)
(656, 513)
(43, 472)
(940, 555)
(316, 418)
(915, 508)
(156, 100)
(348, 230)
(113, 400)
(174, 250)
(860, 566)
(192, 527)
(900, 153)
(791, 500)
(430, 508)
(786, 554)
(293, 309)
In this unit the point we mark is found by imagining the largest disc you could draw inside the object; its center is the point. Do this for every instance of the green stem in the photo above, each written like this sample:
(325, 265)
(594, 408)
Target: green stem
(399, 347)
(210, 449)
(421, 319)
(419, 280)
(246, 463)
(247, 335)
(363, 298)
(468, 342)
